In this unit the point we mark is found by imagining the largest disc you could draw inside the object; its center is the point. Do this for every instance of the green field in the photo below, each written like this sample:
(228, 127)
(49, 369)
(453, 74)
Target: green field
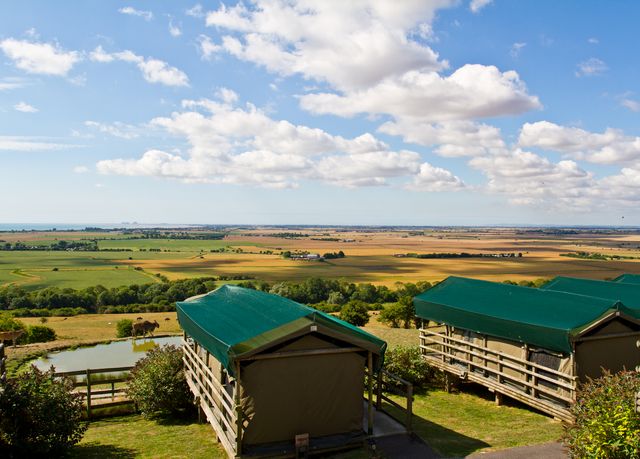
(172, 245)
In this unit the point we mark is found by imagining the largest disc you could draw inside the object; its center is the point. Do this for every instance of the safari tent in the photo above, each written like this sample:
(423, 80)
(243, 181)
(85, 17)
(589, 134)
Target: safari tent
(269, 372)
(628, 279)
(533, 345)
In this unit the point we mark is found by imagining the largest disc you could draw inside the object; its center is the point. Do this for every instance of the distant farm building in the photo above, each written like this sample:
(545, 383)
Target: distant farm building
(269, 373)
(533, 345)
(306, 256)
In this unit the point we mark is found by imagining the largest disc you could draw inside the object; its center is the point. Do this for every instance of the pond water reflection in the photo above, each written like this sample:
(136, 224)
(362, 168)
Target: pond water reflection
(114, 354)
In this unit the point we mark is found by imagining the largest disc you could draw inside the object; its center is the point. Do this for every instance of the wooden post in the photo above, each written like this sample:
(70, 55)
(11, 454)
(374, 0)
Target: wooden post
(88, 373)
(379, 391)
(408, 423)
(370, 393)
(498, 398)
(236, 398)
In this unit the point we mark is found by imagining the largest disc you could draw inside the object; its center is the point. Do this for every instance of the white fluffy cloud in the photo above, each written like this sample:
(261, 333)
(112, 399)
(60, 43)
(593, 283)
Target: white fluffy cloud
(610, 147)
(131, 11)
(432, 178)
(227, 144)
(25, 108)
(350, 45)
(452, 138)
(153, 70)
(472, 91)
(39, 58)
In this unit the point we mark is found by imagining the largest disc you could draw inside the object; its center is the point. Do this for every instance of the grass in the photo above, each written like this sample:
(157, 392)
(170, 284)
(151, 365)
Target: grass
(134, 436)
(459, 424)
(173, 245)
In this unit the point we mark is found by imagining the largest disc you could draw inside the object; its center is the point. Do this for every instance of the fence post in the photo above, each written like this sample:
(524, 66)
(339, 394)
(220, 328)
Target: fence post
(3, 371)
(88, 393)
(379, 391)
(409, 408)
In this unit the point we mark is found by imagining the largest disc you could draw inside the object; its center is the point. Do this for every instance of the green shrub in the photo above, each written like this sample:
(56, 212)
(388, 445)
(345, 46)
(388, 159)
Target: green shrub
(607, 425)
(355, 312)
(403, 312)
(124, 328)
(8, 323)
(157, 383)
(406, 362)
(39, 416)
(39, 334)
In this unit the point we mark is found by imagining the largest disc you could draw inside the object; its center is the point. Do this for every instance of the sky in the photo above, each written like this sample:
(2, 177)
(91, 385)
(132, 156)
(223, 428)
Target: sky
(419, 112)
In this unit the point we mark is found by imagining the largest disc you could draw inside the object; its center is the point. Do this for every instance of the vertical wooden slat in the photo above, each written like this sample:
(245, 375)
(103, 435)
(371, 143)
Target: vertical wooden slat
(370, 393)
(88, 374)
(239, 420)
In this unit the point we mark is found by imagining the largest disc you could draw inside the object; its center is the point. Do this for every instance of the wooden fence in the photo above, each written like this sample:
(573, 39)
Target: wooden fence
(100, 387)
(542, 387)
(388, 383)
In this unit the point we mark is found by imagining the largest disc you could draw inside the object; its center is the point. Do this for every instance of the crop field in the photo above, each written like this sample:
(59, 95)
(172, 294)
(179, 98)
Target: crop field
(371, 256)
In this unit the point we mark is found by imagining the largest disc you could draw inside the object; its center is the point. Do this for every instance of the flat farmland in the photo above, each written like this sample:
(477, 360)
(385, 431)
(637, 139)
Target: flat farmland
(371, 256)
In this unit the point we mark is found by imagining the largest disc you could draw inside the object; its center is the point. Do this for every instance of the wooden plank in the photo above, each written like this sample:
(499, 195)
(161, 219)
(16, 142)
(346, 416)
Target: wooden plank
(239, 416)
(286, 354)
(370, 393)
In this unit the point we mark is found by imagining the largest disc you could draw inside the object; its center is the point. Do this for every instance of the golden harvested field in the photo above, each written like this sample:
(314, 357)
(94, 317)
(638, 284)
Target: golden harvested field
(369, 256)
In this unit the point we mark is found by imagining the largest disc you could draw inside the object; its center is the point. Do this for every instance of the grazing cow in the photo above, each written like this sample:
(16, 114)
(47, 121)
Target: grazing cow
(139, 318)
(167, 318)
(145, 327)
(11, 336)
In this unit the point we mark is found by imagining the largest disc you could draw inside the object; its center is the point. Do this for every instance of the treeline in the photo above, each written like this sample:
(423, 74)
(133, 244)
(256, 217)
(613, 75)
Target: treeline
(130, 298)
(187, 235)
(460, 255)
(597, 256)
(85, 246)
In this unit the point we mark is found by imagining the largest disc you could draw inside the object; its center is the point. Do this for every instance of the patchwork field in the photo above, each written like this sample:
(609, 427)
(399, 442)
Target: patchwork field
(371, 256)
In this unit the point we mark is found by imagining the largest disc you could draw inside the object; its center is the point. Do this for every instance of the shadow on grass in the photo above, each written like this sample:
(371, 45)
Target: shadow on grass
(98, 451)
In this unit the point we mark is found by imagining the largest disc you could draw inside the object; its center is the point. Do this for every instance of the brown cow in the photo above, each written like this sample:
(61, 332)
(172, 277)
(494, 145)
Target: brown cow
(145, 327)
(11, 336)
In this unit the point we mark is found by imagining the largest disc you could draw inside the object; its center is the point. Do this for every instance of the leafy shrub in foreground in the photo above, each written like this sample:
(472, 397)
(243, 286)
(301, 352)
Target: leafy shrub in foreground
(607, 425)
(39, 415)
(124, 328)
(157, 383)
(406, 362)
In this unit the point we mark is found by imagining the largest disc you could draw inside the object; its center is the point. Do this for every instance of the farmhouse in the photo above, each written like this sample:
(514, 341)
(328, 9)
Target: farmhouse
(533, 345)
(269, 372)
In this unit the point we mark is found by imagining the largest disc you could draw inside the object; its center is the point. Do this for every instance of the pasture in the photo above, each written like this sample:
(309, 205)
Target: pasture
(371, 256)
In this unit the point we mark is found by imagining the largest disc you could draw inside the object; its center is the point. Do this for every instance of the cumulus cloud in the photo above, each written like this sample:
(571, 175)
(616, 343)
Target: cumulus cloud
(131, 11)
(472, 91)
(431, 178)
(452, 138)
(153, 70)
(25, 108)
(207, 47)
(610, 147)
(350, 45)
(591, 67)
(476, 5)
(39, 58)
(229, 144)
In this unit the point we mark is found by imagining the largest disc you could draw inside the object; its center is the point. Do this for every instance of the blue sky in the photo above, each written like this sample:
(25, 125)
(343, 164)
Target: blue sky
(408, 113)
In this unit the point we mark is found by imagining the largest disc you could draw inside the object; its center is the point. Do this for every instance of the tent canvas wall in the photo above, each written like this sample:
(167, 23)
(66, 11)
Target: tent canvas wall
(548, 338)
(291, 369)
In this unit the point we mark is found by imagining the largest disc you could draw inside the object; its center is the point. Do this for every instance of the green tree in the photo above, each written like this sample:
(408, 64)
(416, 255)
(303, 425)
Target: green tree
(355, 312)
(124, 328)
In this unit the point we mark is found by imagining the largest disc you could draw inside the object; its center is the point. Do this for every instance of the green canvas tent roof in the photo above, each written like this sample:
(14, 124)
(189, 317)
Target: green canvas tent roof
(542, 318)
(234, 322)
(628, 279)
(628, 294)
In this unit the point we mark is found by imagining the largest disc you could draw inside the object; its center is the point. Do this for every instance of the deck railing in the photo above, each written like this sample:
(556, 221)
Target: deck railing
(216, 400)
(544, 388)
(388, 383)
(103, 387)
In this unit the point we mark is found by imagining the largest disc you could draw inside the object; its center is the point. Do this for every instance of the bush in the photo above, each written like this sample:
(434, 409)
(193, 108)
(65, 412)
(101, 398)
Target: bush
(157, 383)
(124, 328)
(402, 312)
(606, 425)
(39, 334)
(355, 312)
(39, 415)
(8, 323)
(406, 362)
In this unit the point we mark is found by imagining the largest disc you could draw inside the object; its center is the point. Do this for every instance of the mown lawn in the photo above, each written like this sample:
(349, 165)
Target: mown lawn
(134, 436)
(462, 423)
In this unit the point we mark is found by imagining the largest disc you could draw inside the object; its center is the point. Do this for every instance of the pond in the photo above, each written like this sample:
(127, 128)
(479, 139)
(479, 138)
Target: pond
(111, 355)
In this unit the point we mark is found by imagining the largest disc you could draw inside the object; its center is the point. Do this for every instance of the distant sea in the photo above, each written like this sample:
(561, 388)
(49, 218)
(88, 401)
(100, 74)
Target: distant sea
(79, 226)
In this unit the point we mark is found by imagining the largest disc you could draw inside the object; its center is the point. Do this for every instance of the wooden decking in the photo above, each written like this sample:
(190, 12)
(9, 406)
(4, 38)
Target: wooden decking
(541, 387)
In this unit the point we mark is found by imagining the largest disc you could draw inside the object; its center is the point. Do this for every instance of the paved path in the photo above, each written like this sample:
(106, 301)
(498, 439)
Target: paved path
(404, 446)
(544, 451)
